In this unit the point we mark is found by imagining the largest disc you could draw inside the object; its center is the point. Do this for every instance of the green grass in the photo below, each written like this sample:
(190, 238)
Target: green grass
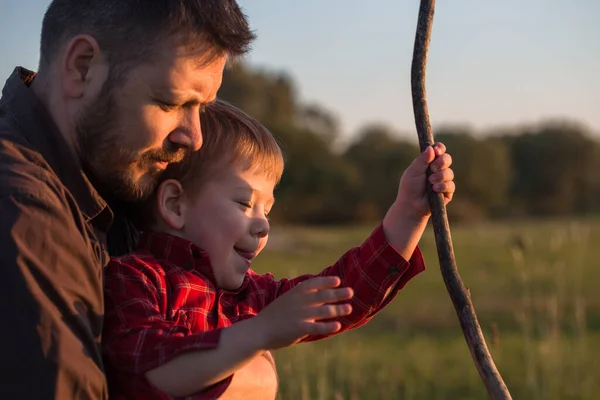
(534, 286)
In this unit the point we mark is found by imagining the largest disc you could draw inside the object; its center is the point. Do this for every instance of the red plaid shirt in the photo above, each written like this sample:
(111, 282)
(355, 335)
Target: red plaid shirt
(162, 301)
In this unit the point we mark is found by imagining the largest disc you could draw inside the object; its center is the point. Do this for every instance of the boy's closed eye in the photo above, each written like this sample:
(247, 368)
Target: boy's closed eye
(248, 204)
(245, 204)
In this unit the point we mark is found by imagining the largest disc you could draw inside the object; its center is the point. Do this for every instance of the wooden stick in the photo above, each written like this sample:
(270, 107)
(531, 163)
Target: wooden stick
(458, 293)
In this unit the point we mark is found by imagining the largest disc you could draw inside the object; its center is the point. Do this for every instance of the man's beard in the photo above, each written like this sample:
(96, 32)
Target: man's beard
(106, 153)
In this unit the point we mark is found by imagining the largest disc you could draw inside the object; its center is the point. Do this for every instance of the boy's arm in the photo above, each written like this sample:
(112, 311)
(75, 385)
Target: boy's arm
(375, 270)
(195, 371)
(406, 219)
(395, 240)
(403, 230)
(140, 341)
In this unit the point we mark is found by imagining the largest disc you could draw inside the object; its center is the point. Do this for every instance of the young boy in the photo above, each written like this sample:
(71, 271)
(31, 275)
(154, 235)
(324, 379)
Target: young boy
(185, 311)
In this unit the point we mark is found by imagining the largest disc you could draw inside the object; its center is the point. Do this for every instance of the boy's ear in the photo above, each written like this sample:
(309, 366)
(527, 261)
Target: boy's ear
(171, 204)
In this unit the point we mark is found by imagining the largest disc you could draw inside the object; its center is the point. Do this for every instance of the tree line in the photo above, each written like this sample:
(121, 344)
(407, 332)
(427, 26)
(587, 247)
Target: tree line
(547, 169)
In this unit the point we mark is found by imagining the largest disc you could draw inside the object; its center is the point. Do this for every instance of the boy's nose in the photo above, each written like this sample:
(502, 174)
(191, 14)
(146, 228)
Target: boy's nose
(261, 227)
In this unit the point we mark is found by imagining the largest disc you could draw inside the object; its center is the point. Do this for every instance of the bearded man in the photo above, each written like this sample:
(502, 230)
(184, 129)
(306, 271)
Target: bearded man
(118, 95)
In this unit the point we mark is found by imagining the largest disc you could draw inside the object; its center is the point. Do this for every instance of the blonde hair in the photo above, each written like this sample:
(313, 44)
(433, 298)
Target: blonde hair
(230, 138)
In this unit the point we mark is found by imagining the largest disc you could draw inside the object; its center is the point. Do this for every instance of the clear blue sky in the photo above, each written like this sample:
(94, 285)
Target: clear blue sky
(491, 63)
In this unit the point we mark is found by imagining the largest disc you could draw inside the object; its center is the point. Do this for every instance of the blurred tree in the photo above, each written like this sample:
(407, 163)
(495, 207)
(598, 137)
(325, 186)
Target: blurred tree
(268, 97)
(483, 173)
(548, 169)
(317, 119)
(380, 157)
(318, 186)
(556, 168)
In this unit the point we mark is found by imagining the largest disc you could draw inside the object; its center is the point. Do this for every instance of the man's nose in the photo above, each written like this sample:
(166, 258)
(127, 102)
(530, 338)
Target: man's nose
(189, 132)
(194, 129)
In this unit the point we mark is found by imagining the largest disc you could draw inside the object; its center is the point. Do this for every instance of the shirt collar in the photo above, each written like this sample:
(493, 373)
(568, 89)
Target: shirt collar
(34, 121)
(182, 253)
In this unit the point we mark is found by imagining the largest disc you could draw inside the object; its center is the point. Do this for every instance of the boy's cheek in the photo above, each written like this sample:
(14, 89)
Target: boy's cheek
(262, 244)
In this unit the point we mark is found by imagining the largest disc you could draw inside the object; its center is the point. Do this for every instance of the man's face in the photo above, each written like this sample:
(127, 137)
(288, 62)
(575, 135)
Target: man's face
(129, 134)
(227, 218)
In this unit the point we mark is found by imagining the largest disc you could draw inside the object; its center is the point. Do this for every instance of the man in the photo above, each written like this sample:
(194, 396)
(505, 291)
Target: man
(118, 94)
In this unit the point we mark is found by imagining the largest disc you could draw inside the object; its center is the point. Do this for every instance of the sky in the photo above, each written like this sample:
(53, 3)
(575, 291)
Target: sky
(491, 63)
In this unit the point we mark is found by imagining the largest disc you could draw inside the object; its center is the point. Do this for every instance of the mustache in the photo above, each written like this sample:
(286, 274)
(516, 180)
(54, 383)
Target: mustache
(163, 155)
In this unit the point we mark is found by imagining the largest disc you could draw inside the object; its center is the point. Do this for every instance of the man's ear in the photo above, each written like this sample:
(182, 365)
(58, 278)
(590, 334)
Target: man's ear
(83, 67)
(171, 204)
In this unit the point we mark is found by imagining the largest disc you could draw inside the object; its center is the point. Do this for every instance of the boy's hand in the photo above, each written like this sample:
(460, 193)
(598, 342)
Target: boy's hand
(412, 192)
(298, 313)
(406, 219)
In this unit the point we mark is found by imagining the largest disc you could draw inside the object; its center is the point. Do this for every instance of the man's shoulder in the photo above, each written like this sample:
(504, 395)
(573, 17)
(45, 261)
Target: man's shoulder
(29, 189)
(23, 170)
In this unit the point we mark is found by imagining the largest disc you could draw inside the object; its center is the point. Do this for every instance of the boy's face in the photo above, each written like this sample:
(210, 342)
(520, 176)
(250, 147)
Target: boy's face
(228, 219)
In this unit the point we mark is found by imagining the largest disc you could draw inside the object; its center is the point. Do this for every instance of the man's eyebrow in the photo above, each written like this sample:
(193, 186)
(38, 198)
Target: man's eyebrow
(196, 102)
(180, 98)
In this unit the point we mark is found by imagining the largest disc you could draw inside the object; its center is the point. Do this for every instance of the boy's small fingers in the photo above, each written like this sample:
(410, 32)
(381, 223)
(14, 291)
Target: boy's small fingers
(448, 197)
(439, 148)
(330, 295)
(421, 162)
(322, 328)
(328, 311)
(442, 162)
(320, 282)
(428, 155)
(444, 175)
(444, 187)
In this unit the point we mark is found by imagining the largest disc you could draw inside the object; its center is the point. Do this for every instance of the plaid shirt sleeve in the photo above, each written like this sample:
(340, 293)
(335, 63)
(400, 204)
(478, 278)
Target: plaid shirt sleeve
(137, 336)
(375, 270)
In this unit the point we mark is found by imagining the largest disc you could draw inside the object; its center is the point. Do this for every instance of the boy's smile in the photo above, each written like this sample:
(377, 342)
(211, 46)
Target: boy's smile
(248, 256)
(227, 218)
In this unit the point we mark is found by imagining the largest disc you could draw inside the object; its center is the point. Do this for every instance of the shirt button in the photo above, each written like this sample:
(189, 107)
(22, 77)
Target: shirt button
(393, 269)
(196, 254)
(187, 265)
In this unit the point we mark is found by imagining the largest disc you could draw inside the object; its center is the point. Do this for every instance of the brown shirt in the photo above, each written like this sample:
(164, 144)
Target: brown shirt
(53, 226)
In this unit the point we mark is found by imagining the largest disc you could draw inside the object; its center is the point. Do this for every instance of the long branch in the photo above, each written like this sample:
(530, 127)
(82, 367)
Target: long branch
(458, 293)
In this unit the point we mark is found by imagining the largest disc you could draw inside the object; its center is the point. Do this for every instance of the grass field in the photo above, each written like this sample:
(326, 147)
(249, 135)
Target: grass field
(535, 289)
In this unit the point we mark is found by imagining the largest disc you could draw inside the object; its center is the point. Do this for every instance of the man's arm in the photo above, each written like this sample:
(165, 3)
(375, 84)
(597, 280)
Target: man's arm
(256, 380)
(51, 298)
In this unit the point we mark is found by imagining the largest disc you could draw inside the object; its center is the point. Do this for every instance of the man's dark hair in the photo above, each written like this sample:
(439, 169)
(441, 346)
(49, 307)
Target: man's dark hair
(130, 31)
